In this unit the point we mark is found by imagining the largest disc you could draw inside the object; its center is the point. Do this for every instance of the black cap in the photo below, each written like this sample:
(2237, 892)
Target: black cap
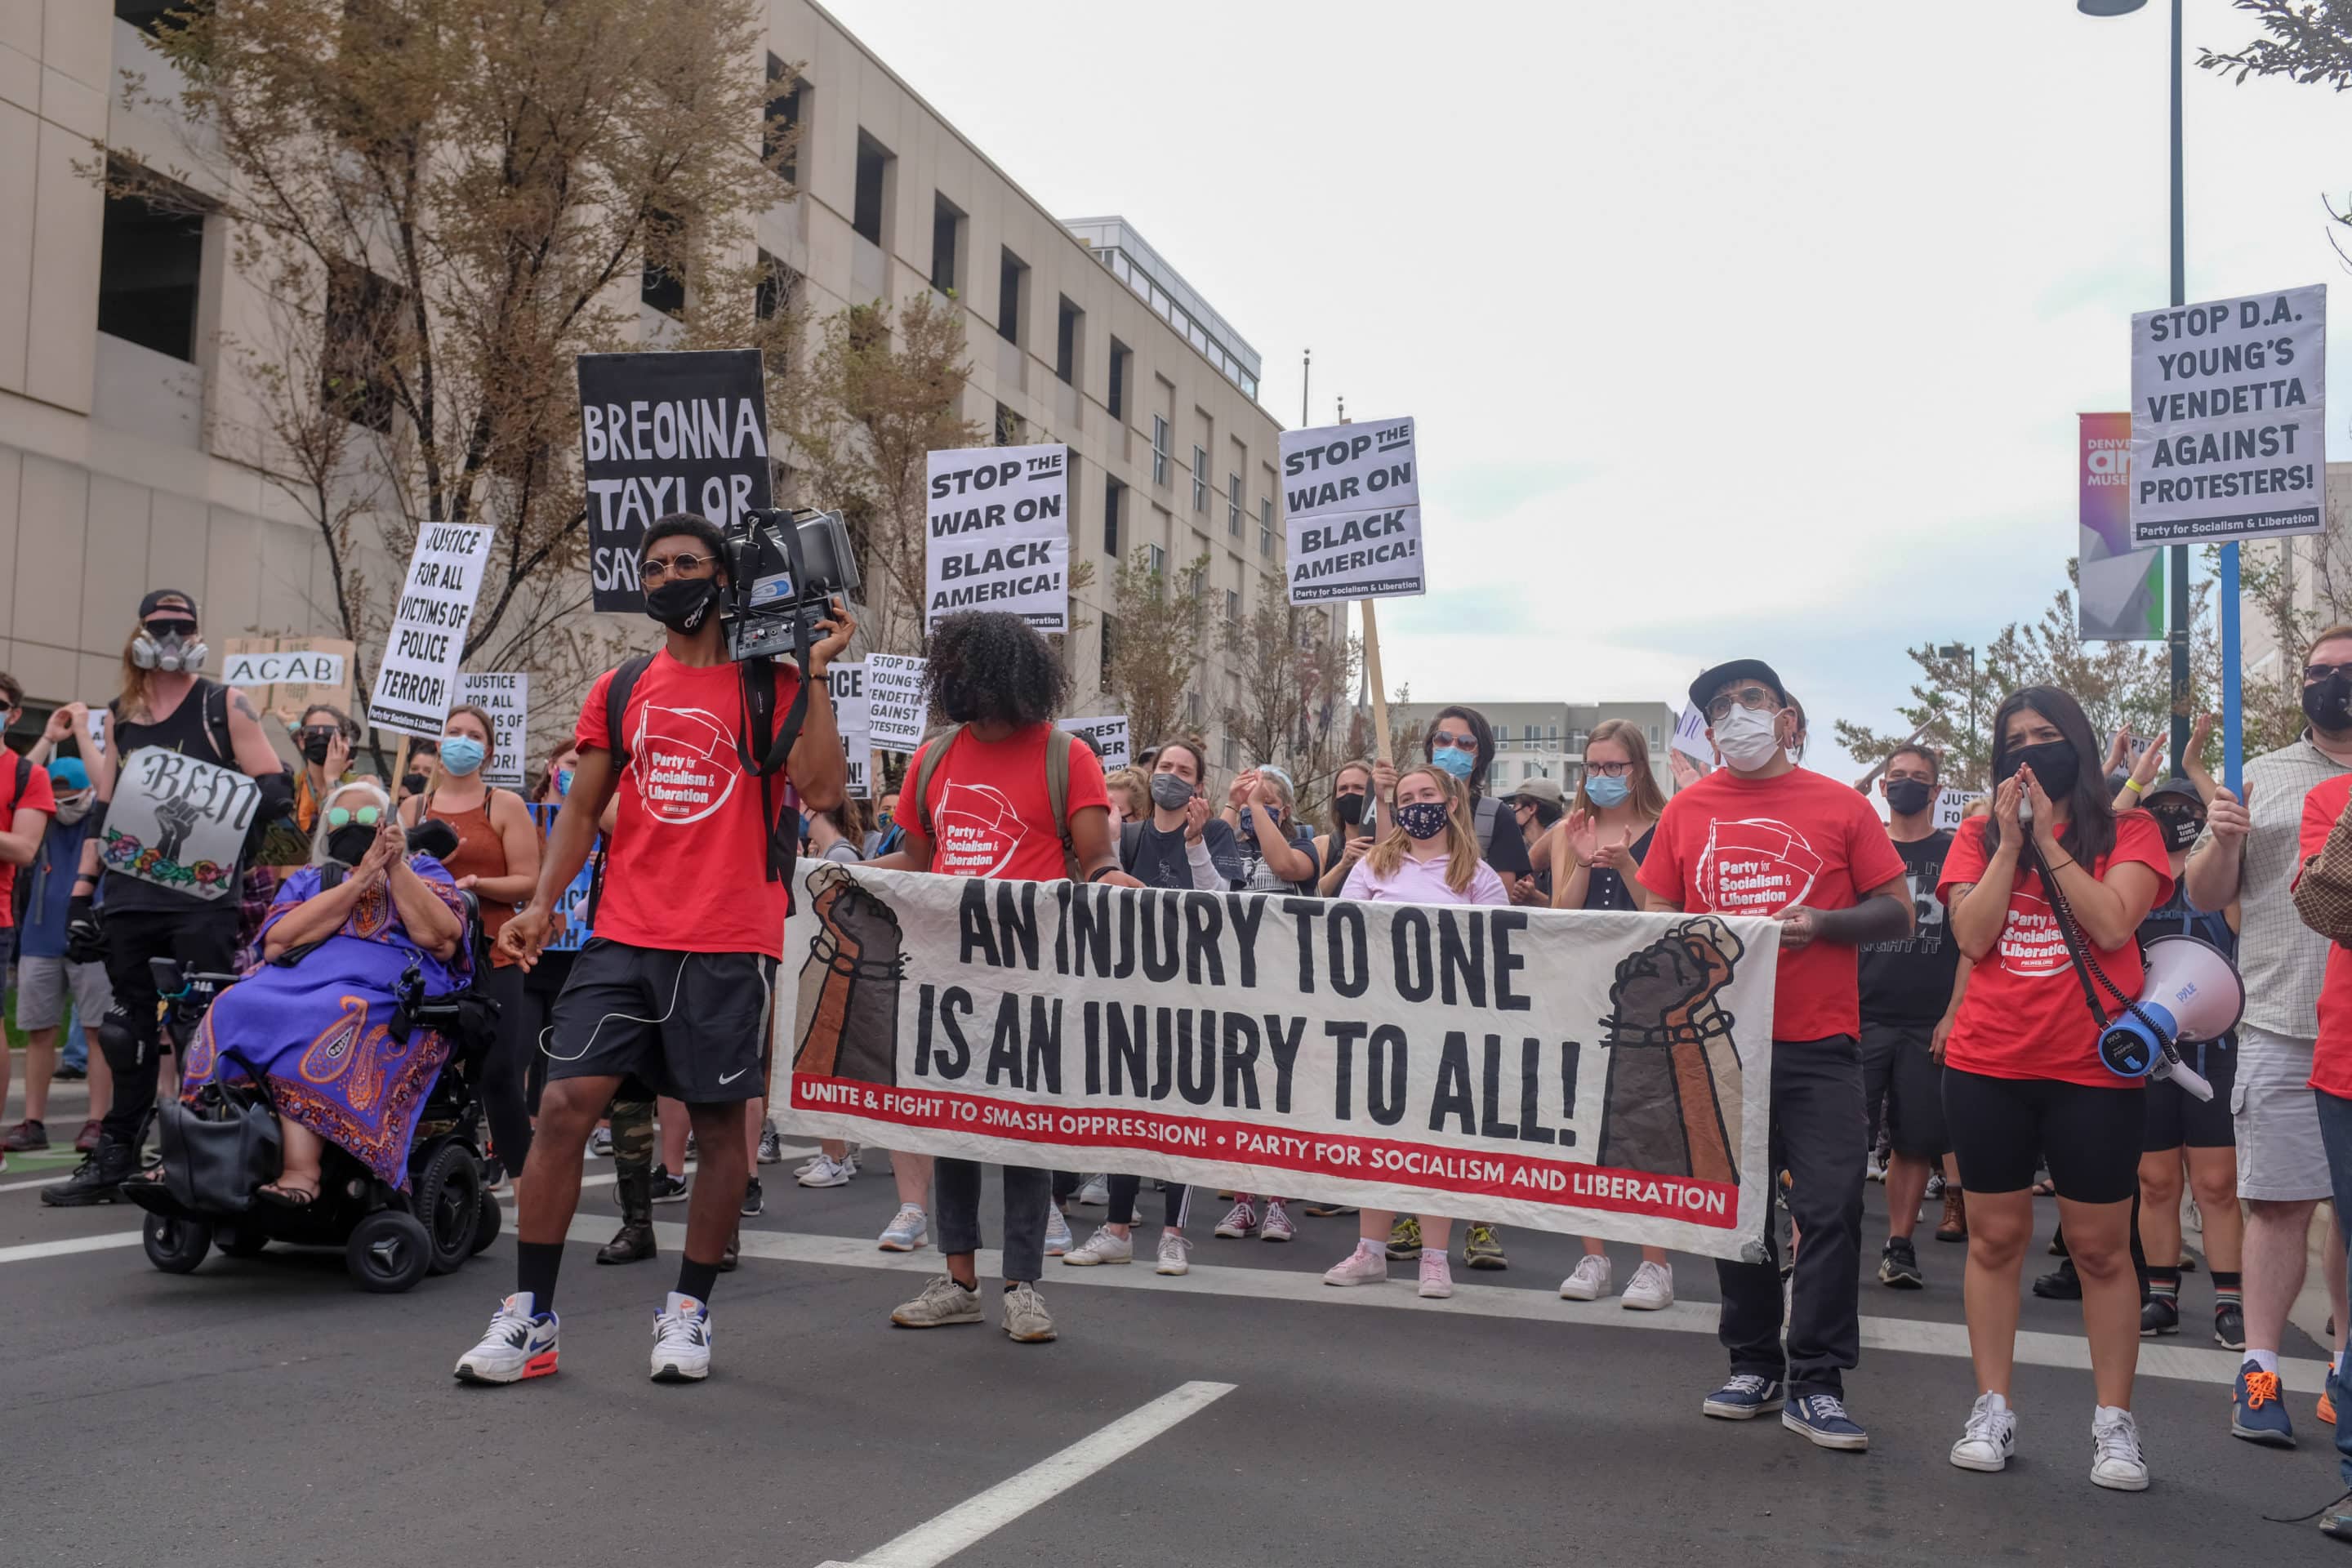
(155, 601)
(1709, 681)
(2181, 788)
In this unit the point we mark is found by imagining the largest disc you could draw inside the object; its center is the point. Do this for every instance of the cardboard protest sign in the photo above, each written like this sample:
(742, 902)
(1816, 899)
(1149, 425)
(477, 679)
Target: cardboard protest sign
(2229, 418)
(1109, 736)
(997, 531)
(178, 822)
(894, 705)
(852, 717)
(286, 675)
(507, 697)
(571, 931)
(2121, 590)
(1952, 807)
(662, 433)
(1352, 511)
(417, 678)
(1602, 1073)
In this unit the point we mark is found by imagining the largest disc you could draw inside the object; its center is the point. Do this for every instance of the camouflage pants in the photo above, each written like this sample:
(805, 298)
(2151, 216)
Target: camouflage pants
(633, 1135)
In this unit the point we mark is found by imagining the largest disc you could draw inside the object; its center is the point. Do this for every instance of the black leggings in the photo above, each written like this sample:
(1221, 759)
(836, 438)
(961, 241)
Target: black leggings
(1123, 1192)
(505, 1067)
(202, 936)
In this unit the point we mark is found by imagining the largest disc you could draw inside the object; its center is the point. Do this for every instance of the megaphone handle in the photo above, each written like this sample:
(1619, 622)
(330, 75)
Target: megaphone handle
(2190, 1078)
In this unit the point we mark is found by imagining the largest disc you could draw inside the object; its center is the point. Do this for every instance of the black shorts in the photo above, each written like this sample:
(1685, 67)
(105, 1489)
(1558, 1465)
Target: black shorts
(1898, 1071)
(2178, 1119)
(2004, 1127)
(694, 1026)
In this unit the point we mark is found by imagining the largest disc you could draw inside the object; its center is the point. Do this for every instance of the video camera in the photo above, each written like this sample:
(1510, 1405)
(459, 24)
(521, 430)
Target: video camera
(783, 570)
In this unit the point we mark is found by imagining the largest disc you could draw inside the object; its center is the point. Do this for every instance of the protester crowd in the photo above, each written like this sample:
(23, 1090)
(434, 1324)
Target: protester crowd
(1930, 1027)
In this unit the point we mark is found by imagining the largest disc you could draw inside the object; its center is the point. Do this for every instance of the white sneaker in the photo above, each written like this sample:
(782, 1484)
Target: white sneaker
(1239, 1221)
(681, 1341)
(1651, 1289)
(908, 1232)
(519, 1344)
(1368, 1264)
(1277, 1225)
(2116, 1460)
(1102, 1247)
(1989, 1440)
(1094, 1192)
(825, 1171)
(1436, 1276)
(1589, 1279)
(1058, 1239)
(1175, 1254)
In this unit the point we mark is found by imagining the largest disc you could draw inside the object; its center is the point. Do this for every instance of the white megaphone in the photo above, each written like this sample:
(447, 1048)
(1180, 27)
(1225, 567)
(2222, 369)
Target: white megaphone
(2192, 994)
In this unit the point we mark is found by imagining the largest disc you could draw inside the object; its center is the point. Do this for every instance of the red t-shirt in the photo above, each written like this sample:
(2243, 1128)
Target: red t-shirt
(2331, 1059)
(988, 809)
(37, 796)
(1755, 847)
(2023, 1016)
(687, 868)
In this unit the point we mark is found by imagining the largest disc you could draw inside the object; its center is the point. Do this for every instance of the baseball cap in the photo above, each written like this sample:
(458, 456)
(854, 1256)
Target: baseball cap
(2175, 789)
(160, 599)
(1713, 680)
(1545, 790)
(68, 772)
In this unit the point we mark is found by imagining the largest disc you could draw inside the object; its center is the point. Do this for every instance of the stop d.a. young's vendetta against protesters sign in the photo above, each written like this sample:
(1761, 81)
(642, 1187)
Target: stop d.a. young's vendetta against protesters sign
(1601, 1074)
(1351, 508)
(2229, 433)
(662, 433)
(997, 535)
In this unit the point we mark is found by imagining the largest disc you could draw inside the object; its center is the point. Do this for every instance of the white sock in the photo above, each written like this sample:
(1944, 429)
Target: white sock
(2336, 1363)
(1999, 1407)
(2107, 1414)
(1376, 1248)
(2266, 1360)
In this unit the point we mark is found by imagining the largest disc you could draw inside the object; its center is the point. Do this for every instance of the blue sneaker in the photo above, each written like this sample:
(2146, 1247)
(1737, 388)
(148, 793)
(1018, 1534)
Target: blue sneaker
(1823, 1419)
(1744, 1398)
(2257, 1411)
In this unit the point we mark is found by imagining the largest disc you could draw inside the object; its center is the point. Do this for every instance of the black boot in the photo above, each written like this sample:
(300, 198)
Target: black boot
(634, 1242)
(97, 1180)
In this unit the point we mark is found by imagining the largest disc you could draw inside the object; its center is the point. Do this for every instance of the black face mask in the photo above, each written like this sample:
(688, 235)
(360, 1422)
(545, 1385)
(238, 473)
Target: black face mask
(2055, 763)
(2328, 703)
(350, 844)
(315, 745)
(413, 782)
(1908, 797)
(1349, 810)
(2181, 828)
(681, 602)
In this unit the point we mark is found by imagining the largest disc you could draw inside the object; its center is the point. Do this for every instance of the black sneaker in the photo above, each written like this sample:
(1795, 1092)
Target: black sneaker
(2061, 1284)
(667, 1188)
(97, 1180)
(754, 1200)
(1898, 1265)
(2158, 1315)
(2230, 1327)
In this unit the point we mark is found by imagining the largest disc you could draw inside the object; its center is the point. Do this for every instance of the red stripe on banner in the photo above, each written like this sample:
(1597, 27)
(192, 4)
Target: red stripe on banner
(1493, 1173)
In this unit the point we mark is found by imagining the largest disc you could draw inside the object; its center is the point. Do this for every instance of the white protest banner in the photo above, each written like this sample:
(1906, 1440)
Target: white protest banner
(419, 678)
(662, 433)
(1109, 736)
(287, 676)
(2229, 433)
(1601, 1074)
(852, 717)
(1952, 806)
(287, 665)
(894, 697)
(1690, 737)
(997, 531)
(178, 822)
(1352, 511)
(507, 698)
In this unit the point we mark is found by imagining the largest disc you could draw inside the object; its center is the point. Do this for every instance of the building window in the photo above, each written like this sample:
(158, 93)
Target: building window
(1502, 733)
(1200, 479)
(150, 17)
(1156, 558)
(1551, 733)
(947, 243)
(1266, 525)
(1159, 450)
(151, 266)
(1112, 490)
(779, 287)
(1232, 754)
(872, 200)
(1233, 605)
(1121, 363)
(1653, 735)
(1233, 505)
(1109, 650)
(659, 287)
(1193, 708)
(360, 356)
(1012, 277)
(1066, 340)
(784, 118)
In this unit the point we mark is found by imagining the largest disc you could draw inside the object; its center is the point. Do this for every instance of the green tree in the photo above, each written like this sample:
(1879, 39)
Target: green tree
(1294, 696)
(1156, 655)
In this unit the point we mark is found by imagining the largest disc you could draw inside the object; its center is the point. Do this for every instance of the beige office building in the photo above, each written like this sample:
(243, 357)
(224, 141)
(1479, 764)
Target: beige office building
(114, 387)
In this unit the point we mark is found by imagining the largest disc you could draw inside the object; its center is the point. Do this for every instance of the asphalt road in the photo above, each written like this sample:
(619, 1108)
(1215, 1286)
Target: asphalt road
(266, 1412)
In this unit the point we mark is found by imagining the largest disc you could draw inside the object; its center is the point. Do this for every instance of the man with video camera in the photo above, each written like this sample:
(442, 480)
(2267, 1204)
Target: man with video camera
(674, 988)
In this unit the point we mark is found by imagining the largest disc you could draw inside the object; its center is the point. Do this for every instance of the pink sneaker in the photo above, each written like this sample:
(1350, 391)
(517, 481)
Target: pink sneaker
(1240, 1221)
(1365, 1266)
(1277, 1225)
(1436, 1278)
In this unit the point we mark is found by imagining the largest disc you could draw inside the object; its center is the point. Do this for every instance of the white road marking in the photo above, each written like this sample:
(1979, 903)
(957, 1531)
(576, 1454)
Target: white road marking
(71, 1244)
(934, 1541)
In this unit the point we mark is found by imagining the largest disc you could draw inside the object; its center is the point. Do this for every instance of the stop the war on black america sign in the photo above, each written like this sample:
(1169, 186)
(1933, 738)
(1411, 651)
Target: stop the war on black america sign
(1351, 508)
(662, 433)
(2228, 430)
(1601, 1074)
(997, 533)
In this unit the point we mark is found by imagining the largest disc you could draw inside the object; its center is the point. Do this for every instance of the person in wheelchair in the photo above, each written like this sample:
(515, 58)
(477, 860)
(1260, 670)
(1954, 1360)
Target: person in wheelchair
(315, 1024)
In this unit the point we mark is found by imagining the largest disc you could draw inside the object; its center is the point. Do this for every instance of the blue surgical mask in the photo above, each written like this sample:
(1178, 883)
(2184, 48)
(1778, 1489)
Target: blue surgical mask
(1605, 792)
(461, 754)
(563, 782)
(1455, 761)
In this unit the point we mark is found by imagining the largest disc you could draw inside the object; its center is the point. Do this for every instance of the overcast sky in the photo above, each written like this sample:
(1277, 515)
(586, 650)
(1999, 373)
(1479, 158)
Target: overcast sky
(1732, 330)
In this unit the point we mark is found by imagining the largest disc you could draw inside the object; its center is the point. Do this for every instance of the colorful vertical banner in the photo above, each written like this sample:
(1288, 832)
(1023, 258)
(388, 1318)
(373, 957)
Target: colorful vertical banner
(2121, 590)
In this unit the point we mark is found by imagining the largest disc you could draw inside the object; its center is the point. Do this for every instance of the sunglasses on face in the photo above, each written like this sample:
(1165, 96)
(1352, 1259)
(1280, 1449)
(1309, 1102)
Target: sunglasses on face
(366, 816)
(2313, 674)
(1446, 738)
(1753, 697)
(170, 628)
(684, 565)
